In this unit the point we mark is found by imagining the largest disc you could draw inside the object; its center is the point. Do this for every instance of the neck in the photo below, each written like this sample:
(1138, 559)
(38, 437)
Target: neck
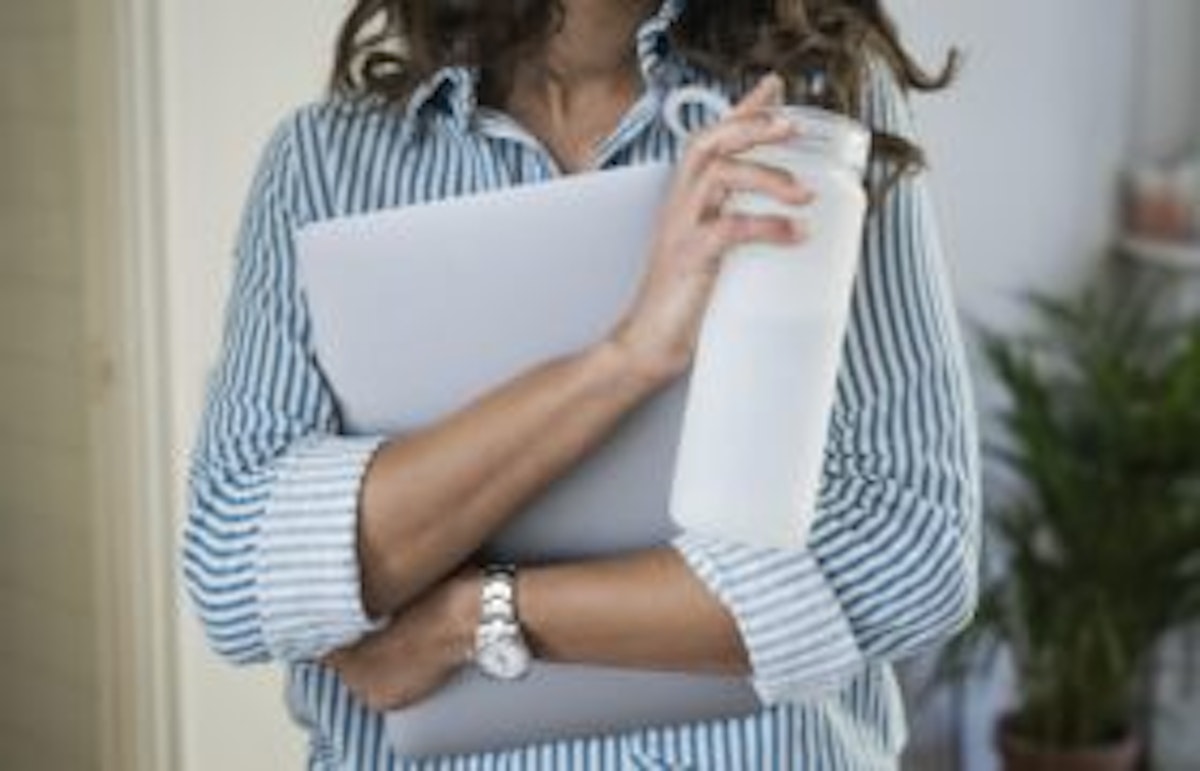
(594, 52)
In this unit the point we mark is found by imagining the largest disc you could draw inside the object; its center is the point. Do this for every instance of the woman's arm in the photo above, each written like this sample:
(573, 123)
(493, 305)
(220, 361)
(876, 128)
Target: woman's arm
(297, 536)
(268, 546)
(431, 498)
(891, 564)
(892, 560)
(644, 610)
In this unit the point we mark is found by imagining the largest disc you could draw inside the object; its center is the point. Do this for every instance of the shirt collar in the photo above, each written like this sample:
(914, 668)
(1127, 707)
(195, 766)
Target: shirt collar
(453, 87)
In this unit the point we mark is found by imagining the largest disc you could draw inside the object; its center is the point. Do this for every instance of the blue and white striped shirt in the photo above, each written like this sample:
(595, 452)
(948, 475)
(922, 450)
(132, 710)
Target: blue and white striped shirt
(269, 550)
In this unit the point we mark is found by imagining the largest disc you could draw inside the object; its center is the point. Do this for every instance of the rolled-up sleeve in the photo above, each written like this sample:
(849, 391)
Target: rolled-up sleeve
(269, 548)
(891, 564)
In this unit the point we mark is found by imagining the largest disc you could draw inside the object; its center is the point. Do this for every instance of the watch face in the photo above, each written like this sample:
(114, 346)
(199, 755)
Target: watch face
(505, 658)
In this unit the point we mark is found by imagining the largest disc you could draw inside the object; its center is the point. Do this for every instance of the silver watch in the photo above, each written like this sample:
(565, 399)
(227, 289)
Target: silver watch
(500, 649)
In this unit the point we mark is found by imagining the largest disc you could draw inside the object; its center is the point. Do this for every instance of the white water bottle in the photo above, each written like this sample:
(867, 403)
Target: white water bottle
(763, 381)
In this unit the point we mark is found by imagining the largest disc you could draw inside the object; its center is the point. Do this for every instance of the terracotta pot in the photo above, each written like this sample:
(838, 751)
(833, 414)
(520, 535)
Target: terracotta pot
(1020, 755)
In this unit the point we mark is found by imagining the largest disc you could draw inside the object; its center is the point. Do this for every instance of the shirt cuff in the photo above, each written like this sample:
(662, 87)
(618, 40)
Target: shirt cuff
(309, 579)
(799, 641)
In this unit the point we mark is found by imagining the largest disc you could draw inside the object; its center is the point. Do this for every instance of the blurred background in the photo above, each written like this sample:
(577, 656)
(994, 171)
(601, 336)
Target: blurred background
(128, 131)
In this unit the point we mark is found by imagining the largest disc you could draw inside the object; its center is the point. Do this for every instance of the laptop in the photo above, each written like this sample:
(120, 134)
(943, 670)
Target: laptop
(418, 310)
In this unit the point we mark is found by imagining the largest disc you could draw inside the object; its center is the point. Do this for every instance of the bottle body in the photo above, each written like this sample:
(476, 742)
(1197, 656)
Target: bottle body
(764, 378)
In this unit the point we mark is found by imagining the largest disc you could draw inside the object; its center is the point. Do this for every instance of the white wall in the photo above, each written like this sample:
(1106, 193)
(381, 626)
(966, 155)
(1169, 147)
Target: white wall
(48, 666)
(228, 75)
(1025, 151)
(1026, 147)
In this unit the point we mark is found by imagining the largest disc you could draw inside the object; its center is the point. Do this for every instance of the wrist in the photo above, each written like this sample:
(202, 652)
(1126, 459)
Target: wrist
(463, 612)
(620, 367)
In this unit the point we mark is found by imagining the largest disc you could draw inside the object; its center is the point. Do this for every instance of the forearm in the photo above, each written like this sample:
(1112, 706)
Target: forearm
(433, 497)
(645, 610)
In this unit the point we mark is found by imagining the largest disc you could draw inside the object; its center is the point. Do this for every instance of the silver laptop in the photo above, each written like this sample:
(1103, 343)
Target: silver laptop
(418, 310)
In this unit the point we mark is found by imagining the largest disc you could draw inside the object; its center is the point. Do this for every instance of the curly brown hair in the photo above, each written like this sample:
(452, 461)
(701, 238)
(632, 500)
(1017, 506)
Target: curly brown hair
(821, 48)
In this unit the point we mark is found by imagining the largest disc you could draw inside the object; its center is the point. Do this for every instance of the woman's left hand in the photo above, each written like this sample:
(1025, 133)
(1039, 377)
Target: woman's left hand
(418, 651)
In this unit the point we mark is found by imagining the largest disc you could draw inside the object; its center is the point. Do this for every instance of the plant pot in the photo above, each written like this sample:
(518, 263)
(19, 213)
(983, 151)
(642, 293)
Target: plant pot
(1021, 755)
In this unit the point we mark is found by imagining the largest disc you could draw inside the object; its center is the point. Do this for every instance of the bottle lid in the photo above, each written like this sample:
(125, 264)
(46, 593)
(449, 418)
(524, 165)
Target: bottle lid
(830, 134)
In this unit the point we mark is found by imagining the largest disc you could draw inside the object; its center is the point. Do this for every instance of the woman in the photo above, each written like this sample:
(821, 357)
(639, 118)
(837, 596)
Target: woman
(349, 557)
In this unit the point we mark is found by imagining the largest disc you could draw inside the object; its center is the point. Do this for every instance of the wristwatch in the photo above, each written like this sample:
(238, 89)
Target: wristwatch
(500, 649)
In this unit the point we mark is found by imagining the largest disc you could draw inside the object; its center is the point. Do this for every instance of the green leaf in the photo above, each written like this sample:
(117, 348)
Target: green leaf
(1101, 538)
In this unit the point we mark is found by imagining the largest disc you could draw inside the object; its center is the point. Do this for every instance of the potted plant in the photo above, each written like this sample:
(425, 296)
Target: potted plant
(1098, 535)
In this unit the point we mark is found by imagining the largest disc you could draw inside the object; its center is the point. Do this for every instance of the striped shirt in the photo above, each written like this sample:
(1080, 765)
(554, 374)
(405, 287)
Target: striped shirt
(269, 553)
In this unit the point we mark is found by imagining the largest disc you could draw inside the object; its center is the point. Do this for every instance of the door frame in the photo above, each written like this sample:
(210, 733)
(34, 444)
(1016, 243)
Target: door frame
(127, 368)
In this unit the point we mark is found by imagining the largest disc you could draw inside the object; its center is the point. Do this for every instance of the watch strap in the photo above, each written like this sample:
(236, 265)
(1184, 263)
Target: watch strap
(499, 594)
(498, 617)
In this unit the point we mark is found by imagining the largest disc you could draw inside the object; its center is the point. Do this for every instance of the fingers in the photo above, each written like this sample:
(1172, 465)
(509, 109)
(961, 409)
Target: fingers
(734, 135)
(752, 121)
(725, 175)
(732, 230)
(709, 172)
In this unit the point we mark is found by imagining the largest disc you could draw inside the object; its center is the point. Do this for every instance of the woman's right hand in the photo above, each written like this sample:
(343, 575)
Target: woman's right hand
(661, 327)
